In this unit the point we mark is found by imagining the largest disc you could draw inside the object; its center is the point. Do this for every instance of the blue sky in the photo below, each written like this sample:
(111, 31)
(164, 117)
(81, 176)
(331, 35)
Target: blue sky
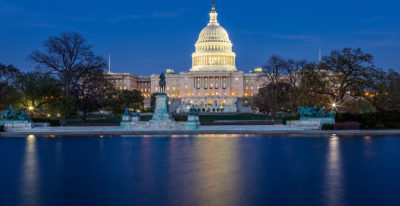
(146, 37)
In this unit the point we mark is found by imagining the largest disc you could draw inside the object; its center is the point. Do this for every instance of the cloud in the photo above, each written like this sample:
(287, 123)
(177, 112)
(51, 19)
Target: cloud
(374, 19)
(250, 32)
(293, 36)
(383, 33)
(8, 9)
(153, 15)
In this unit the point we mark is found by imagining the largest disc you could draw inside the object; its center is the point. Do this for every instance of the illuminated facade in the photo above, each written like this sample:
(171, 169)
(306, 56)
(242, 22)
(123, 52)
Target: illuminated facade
(213, 84)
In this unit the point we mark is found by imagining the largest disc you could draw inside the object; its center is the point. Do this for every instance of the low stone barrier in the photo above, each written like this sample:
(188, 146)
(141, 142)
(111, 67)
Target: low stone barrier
(10, 126)
(304, 124)
(159, 125)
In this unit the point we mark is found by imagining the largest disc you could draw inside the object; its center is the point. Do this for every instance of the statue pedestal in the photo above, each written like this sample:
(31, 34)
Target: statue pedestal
(193, 122)
(161, 120)
(311, 122)
(126, 118)
(161, 110)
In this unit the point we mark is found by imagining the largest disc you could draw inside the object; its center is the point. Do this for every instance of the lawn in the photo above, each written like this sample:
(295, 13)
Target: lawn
(108, 121)
(211, 118)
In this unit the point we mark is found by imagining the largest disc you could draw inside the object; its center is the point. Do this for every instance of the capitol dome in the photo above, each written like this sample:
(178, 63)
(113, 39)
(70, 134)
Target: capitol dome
(213, 48)
(213, 33)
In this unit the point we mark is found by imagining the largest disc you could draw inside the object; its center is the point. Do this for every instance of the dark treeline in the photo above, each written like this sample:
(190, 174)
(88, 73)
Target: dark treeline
(346, 81)
(68, 78)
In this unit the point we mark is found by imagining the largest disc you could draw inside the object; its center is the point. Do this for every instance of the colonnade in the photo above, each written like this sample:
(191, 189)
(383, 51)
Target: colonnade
(213, 60)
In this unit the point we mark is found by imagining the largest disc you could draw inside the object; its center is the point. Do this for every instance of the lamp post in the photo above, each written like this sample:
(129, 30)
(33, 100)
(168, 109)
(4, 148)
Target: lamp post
(334, 106)
(30, 108)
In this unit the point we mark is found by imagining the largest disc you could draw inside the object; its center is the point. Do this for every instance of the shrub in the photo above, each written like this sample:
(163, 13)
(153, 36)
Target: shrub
(145, 117)
(327, 127)
(347, 126)
(180, 118)
(372, 120)
(1, 128)
(285, 119)
(53, 122)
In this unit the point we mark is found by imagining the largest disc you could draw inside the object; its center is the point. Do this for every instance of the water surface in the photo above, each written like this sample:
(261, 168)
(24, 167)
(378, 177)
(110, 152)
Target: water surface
(200, 170)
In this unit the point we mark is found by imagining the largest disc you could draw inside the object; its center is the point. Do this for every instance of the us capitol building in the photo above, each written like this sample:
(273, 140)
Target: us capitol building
(213, 84)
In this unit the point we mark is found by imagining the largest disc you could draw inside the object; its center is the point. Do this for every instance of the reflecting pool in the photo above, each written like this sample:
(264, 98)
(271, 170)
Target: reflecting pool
(200, 170)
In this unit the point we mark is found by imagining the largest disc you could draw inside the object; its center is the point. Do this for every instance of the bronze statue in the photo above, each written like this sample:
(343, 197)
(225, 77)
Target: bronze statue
(12, 114)
(162, 83)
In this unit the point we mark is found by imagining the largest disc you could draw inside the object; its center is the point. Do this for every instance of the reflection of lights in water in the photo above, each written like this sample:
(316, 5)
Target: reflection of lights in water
(30, 172)
(368, 149)
(101, 136)
(217, 135)
(31, 137)
(333, 174)
(216, 174)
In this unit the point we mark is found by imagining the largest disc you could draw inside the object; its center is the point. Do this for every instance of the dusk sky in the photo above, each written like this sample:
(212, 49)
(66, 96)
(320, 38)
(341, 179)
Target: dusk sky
(146, 37)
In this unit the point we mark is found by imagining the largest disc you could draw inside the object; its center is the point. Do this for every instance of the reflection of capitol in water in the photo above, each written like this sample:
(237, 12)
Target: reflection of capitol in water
(213, 84)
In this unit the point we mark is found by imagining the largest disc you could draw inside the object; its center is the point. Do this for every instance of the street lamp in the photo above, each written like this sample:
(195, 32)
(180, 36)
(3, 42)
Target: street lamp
(30, 108)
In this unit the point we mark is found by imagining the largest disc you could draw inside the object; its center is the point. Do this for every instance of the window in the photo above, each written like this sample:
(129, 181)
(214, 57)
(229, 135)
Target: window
(211, 85)
(124, 87)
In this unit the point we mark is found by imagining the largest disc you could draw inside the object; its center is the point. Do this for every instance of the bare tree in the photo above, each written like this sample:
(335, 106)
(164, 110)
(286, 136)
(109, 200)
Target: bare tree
(93, 92)
(8, 95)
(7, 72)
(350, 73)
(69, 57)
(274, 69)
(272, 98)
(293, 71)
